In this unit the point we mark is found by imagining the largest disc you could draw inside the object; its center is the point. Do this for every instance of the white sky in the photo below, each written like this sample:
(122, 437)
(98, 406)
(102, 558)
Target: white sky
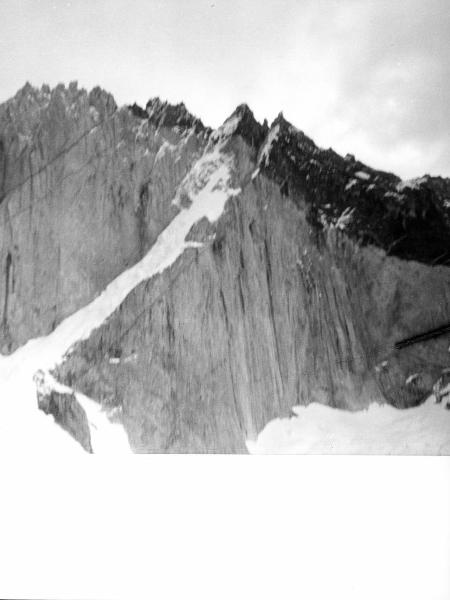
(369, 77)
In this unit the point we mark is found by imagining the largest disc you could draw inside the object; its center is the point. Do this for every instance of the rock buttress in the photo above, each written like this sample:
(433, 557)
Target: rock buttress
(263, 317)
(85, 189)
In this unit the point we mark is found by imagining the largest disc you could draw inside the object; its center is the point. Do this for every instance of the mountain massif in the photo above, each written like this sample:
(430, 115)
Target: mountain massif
(199, 284)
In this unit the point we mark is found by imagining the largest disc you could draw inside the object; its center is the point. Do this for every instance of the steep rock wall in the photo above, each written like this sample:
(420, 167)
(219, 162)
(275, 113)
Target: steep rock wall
(269, 314)
(85, 189)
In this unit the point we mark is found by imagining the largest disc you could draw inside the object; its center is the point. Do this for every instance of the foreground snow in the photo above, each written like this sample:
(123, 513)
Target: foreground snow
(381, 429)
(22, 425)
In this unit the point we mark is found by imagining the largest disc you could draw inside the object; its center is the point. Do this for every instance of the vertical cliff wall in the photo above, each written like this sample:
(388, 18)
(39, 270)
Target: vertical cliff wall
(267, 314)
(85, 189)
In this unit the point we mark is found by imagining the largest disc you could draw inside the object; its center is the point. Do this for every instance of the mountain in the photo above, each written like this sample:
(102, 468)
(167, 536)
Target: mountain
(170, 288)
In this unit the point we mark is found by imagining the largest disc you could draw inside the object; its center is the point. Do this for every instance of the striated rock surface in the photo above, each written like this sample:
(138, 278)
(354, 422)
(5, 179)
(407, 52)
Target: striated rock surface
(85, 189)
(297, 294)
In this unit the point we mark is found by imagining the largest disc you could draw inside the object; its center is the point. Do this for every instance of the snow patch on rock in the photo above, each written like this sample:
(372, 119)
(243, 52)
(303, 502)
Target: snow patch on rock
(345, 218)
(412, 378)
(271, 138)
(227, 129)
(380, 429)
(362, 175)
(165, 148)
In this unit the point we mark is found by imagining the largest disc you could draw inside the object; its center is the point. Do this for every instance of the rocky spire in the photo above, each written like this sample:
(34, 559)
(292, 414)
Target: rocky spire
(163, 114)
(248, 127)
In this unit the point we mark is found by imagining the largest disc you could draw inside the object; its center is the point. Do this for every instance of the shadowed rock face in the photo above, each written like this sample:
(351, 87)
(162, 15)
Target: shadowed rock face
(407, 220)
(252, 132)
(298, 294)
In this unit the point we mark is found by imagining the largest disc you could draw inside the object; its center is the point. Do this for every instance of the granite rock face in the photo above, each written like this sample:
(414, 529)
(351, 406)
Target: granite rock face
(85, 190)
(297, 294)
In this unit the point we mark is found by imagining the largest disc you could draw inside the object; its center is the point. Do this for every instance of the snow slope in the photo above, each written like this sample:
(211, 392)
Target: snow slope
(381, 429)
(22, 425)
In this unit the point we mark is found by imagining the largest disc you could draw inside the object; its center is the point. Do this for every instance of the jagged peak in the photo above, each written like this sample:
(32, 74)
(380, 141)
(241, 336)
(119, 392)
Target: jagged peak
(138, 111)
(282, 122)
(31, 108)
(243, 111)
(100, 97)
(282, 133)
(287, 129)
(32, 97)
(242, 122)
(163, 114)
(408, 219)
(229, 126)
(155, 104)
(26, 89)
(30, 94)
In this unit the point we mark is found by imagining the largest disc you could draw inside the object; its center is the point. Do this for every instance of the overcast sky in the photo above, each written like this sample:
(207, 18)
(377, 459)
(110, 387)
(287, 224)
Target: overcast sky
(371, 77)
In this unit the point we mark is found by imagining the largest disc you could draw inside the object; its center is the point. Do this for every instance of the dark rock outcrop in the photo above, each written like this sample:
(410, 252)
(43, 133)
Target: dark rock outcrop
(409, 220)
(163, 114)
(66, 410)
(248, 127)
(138, 111)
